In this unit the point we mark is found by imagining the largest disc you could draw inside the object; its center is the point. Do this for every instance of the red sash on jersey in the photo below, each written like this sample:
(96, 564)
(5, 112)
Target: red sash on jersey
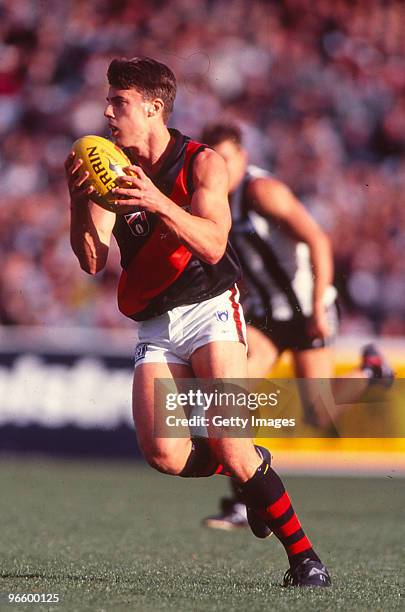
(162, 258)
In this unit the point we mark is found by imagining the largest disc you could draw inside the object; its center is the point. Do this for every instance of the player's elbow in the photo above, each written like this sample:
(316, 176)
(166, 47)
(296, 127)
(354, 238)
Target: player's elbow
(91, 266)
(213, 258)
(94, 268)
(216, 248)
(89, 269)
(214, 254)
(92, 259)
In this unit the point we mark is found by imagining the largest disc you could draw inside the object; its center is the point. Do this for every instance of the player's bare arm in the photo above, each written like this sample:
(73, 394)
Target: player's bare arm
(90, 225)
(272, 198)
(205, 230)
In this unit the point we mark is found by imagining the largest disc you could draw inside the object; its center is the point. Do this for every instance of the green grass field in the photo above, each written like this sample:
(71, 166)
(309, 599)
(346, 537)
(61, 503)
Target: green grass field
(122, 537)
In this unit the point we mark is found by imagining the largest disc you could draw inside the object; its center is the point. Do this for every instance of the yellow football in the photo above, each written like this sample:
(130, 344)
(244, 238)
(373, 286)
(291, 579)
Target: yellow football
(104, 162)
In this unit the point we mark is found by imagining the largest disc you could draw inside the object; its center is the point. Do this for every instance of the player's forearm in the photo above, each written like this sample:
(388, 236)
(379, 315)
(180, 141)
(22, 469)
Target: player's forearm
(85, 242)
(322, 267)
(203, 237)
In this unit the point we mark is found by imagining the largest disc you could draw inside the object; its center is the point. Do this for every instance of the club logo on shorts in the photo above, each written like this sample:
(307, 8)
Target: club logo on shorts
(138, 223)
(222, 315)
(140, 351)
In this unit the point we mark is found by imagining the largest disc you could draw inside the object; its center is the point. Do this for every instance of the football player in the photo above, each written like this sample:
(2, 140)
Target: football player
(176, 275)
(289, 300)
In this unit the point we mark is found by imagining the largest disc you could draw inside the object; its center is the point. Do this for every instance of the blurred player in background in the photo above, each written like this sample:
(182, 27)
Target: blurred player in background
(289, 300)
(178, 273)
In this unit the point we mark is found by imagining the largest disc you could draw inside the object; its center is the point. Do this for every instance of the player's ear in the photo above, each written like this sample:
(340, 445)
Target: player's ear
(155, 107)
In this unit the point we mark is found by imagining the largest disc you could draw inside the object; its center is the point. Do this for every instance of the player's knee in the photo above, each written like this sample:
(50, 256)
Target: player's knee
(168, 460)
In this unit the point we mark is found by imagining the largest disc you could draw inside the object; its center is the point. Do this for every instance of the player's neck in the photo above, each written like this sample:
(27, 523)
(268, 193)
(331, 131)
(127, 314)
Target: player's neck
(154, 150)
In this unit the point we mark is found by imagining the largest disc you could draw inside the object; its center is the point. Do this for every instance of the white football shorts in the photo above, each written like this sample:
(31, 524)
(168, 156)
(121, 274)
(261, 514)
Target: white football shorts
(174, 336)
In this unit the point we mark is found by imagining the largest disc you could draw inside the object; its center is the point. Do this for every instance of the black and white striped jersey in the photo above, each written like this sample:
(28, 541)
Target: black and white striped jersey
(277, 274)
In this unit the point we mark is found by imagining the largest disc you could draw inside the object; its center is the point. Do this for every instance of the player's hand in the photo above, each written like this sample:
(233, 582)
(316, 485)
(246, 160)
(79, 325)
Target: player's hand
(138, 190)
(79, 189)
(319, 326)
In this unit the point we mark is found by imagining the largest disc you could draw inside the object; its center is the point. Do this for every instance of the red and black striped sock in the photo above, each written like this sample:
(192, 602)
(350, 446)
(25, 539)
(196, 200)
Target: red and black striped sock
(265, 493)
(202, 462)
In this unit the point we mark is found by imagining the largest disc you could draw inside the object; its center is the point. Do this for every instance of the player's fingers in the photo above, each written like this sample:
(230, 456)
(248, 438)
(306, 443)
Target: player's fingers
(82, 178)
(132, 193)
(69, 160)
(82, 190)
(125, 180)
(137, 170)
(127, 202)
(72, 170)
(141, 175)
(79, 192)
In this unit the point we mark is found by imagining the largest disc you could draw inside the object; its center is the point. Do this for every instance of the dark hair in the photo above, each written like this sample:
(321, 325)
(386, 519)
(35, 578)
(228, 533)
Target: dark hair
(151, 78)
(215, 133)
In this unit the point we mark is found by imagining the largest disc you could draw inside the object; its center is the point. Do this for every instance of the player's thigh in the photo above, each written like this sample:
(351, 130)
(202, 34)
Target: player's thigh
(220, 359)
(313, 363)
(158, 451)
(262, 353)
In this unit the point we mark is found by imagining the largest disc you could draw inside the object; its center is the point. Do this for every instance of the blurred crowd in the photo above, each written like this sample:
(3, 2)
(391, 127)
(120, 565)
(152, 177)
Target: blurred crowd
(317, 86)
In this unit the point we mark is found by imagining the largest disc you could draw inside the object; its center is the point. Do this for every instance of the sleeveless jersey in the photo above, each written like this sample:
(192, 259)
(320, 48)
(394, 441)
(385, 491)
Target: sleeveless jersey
(158, 272)
(277, 273)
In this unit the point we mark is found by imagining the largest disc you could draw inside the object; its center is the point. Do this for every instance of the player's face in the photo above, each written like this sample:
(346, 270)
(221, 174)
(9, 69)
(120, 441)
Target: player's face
(127, 114)
(235, 159)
